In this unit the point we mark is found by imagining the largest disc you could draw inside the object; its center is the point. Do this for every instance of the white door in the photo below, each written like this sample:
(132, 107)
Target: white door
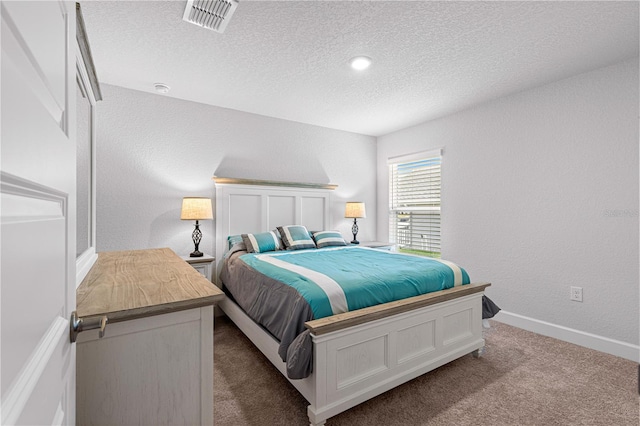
(37, 210)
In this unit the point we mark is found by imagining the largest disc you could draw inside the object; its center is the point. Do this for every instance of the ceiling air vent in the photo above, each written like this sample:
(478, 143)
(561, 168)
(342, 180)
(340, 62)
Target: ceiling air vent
(210, 14)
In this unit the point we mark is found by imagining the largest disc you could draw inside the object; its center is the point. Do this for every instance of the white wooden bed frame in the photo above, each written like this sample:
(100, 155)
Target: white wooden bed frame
(361, 354)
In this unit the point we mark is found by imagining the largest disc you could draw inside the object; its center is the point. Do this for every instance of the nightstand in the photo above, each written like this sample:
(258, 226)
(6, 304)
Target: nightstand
(379, 245)
(203, 264)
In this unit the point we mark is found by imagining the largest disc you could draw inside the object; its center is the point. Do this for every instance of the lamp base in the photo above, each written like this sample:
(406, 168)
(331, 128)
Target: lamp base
(354, 231)
(196, 236)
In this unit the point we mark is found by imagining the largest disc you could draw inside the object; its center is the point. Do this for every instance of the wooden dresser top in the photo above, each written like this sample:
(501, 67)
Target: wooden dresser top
(125, 285)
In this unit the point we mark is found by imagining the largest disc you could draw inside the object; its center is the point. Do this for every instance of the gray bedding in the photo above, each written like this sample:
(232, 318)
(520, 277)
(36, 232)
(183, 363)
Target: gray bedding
(278, 308)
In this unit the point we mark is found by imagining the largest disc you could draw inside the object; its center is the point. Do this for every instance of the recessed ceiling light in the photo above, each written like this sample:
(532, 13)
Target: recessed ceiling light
(161, 88)
(360, 63)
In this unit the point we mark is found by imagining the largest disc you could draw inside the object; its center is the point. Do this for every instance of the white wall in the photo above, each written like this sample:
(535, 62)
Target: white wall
(153, 150)
(540, 193)
(540, 189)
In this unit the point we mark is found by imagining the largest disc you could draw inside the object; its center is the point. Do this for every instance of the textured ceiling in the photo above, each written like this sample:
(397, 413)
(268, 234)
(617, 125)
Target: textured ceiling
(289, 59)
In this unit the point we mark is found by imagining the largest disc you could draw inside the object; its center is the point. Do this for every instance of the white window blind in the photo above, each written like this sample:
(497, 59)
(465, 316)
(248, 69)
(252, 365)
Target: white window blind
(414, 202)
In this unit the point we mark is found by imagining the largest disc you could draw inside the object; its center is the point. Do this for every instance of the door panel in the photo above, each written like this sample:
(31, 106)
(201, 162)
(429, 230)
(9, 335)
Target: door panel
(34, 37)
(33, 259)
(37, 188)
(32, 139)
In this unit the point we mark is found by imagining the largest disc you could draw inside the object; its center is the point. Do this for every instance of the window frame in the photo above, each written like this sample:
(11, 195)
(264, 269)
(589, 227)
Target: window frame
(427, 209)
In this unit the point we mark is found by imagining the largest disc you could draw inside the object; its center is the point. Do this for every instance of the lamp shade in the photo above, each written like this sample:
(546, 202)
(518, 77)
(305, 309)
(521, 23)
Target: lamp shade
(196, 208)
(355, 209)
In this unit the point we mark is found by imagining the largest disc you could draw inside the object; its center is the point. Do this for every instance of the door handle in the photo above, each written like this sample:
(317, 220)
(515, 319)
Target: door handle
(78, 325)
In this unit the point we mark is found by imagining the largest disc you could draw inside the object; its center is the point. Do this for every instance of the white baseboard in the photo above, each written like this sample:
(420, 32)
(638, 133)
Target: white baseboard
(577, 337)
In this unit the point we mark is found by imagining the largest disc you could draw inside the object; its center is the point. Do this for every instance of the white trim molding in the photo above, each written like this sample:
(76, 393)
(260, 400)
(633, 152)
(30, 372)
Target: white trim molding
(577, 337)
(416, 156)
(258, 182)
(84, 262)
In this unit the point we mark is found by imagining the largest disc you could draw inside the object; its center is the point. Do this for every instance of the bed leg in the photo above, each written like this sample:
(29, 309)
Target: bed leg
(313, 419)
(478, 352)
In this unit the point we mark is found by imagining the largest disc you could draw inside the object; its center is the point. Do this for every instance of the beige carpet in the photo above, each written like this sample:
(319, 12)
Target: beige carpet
(522, 379)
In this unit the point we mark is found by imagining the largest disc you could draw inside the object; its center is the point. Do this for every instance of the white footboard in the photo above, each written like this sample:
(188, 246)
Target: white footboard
(357, 363)
(354, 364)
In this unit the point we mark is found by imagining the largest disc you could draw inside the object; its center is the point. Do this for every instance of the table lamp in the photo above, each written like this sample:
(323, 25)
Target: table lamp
(196, 208)
(355, 210)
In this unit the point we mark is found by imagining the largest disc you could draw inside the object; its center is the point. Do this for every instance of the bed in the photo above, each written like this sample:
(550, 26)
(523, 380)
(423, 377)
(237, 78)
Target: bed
(361, 353)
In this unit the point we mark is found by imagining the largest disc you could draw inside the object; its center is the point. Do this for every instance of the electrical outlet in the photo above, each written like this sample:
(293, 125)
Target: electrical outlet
(576, 294)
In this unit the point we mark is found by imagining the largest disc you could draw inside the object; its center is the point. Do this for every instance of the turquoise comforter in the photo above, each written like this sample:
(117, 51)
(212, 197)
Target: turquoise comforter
(340, 279)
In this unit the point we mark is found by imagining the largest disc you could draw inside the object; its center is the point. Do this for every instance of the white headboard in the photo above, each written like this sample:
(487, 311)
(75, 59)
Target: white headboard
(250, 206)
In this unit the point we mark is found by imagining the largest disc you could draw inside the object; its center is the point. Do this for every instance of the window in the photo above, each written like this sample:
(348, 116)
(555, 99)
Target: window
(414, 203)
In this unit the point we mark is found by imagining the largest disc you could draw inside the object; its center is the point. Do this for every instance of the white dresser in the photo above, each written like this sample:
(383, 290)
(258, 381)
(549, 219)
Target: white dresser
(154, 364)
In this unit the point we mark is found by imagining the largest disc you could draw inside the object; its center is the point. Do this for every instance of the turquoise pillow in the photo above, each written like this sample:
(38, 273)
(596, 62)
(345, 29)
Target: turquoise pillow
(328, 239)
(296, 237)
(260, 243)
